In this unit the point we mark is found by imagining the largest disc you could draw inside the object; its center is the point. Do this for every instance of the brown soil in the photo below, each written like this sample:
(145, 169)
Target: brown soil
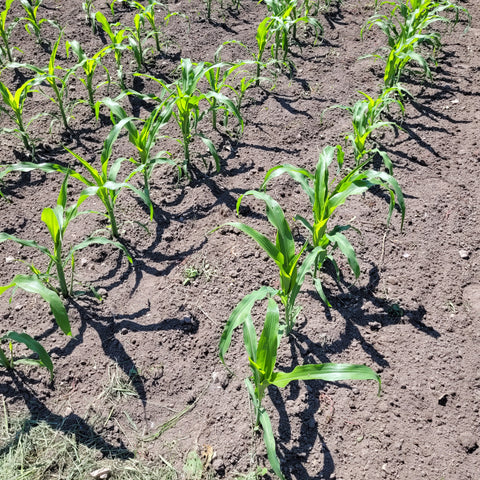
(412, 315)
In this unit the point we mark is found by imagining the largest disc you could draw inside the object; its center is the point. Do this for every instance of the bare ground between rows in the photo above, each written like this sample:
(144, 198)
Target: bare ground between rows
(412, 316)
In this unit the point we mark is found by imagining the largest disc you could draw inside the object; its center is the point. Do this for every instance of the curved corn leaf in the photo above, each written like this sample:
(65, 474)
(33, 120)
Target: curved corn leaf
(211, 148)
(32, 284)
(341, 241)
(100, 241)
(44, 358)
(239, 315)
(27, 243)
(330, 372)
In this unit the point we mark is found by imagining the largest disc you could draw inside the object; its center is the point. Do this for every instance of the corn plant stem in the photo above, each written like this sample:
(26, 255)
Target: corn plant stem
(111, 216)
(59, 103)
(157, 41)
(7, 45)
(89, 85)
(61, 273)
(23, 132)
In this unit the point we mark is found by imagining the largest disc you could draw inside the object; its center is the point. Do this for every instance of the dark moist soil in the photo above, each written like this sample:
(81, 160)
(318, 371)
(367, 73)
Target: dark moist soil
(412, 315)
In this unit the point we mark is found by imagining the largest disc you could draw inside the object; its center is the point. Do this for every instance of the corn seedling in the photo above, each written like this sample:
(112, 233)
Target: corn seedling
(56, 78)
(6, 32)
(89, 66)
(87, 6)
(218, 77)
(282, 252)
(148, 14)
(406, 27)
(143, 139)
(101, 183)
(32, 284)
(10, 362)
(280, 26)
(184, 98)
(325, 198)
(117, 45)
(136, 38)
(57, 220)
(262, 357)
(32, 23)
(367, 118)
(13, 106)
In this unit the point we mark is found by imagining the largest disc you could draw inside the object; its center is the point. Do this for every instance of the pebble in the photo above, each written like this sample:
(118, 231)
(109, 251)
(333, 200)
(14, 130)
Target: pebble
(465, 254)
(102, 292)
(9, 259)
(468, 441)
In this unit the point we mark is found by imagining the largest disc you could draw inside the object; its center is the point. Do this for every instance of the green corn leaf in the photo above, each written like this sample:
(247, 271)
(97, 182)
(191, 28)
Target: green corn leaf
(300, 175)
(211, 149)
(26, 243)
(270, 249)
(101, 241)
(32, 284)
(110, 140)
(250, 338)
(270, 444)
(346, 248)
(53, 219)
(284, 241)
(305, 268)
(268, 342)
(319, 288)
(330, 372)
(34, 346)
(239, 315)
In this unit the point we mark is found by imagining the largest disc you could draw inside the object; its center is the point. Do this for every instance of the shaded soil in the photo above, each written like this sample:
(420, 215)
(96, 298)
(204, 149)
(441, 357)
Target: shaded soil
(412, 315)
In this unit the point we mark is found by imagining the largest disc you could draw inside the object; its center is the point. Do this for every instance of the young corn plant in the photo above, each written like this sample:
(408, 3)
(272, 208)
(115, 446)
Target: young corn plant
(143, 139)
(283, 253)
(280, 26)
(88, 6)
(13, 107)
(89, 66)
(185, 99)
(32, 23)
(56, 78)
(101, 183)
(407, 27)
(219, 77)
(136, 37)
(33, 284)
(57, 221)
(262, 357)
(367, 117)
(325, 197)
(6, 31)
(116, 43)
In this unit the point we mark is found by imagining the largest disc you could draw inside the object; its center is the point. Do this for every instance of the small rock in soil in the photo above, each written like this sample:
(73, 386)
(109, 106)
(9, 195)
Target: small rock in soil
(464, 254)
(468, 441)
(102, 292)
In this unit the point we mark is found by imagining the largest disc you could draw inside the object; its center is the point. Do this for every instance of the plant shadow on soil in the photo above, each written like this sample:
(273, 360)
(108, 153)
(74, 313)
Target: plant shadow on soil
(304, 350)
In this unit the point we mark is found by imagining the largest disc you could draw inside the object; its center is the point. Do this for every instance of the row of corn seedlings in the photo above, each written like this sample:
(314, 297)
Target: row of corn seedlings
(181, 100)
(325, 197)
(277, 29)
